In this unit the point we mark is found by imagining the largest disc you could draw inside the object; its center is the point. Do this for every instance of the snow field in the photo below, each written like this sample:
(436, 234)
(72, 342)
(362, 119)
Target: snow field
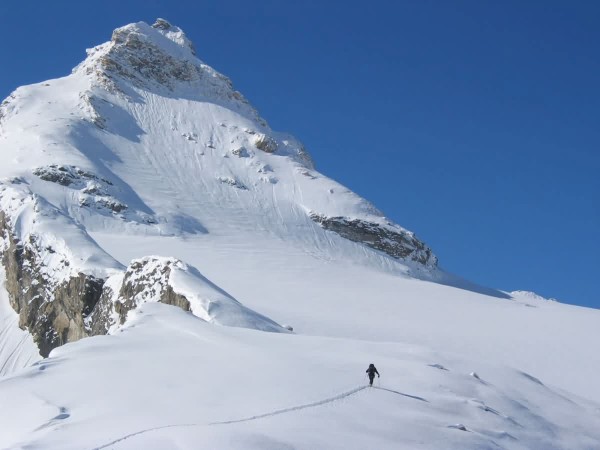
(330, 295)
(169, 380)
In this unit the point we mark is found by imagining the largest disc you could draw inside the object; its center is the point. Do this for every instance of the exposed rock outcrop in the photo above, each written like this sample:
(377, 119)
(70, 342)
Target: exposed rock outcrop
(53, 311)
(398, 243)
(170, 281)
(92, 191)
(159, 56)
(265, 143)
(6, 107)
(67, 175)
(232, 182)
(240, 152)
(86, 182)
(136, 58)
(174, 33)
(145, 279)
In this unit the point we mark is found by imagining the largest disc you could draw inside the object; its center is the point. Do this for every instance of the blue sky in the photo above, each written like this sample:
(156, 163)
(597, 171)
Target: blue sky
(475, 124)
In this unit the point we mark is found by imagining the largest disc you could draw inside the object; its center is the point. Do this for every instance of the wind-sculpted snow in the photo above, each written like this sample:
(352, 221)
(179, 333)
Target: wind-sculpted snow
(170, 281)
(394, 241)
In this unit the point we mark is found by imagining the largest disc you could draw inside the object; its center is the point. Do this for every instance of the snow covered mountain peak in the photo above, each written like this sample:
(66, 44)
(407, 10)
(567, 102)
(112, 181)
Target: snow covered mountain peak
(144, 140)
(162, 59)
(174, 33)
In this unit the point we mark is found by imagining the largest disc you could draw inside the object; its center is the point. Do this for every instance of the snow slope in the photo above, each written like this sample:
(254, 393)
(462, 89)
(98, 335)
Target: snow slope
(332, 296)
(17, 349)
(145, 150)
(169, 380)
(169, 158)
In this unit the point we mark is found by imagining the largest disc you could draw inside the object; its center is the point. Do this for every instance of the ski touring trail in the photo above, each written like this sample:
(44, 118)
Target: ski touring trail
(259, 416)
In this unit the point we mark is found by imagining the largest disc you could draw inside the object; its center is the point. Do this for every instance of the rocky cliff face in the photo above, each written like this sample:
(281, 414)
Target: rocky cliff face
(53, 311)
(145, 279)
(396, 243)
(92, 192)
(160, 56)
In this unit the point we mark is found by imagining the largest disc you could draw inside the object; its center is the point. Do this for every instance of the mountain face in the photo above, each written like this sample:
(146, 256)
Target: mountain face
(144, 138)
(231, 296)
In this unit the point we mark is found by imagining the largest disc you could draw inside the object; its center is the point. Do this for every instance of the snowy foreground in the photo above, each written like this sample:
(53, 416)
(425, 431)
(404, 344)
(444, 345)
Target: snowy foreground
(169, 380)
(144, 150)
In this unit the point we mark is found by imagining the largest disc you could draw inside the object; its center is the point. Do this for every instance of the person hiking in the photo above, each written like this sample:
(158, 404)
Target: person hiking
(372, 370)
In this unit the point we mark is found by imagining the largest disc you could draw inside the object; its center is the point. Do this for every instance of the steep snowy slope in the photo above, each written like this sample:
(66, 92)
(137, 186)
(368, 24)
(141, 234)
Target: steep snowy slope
(144, 150)
(17, 349)
(144, 135)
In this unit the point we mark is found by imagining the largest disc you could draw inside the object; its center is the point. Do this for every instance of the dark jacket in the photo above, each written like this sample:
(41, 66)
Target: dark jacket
(372, 371)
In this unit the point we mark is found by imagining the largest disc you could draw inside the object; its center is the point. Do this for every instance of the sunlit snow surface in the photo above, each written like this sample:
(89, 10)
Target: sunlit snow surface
(463, 367)
(169, 380)
(17, 348)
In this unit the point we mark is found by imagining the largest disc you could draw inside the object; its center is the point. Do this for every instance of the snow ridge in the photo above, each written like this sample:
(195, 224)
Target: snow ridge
(170, 281)
(160, 58)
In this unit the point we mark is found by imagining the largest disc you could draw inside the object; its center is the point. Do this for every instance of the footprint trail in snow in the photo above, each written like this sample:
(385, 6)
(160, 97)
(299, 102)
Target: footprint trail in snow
(261, 416)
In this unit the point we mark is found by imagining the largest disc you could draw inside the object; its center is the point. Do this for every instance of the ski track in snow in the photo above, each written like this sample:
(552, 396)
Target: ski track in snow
(261, 416)
(400, 393)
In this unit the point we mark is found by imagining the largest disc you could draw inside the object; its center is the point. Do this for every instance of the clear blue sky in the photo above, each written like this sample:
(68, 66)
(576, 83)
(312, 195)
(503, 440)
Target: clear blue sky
(475, 124)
